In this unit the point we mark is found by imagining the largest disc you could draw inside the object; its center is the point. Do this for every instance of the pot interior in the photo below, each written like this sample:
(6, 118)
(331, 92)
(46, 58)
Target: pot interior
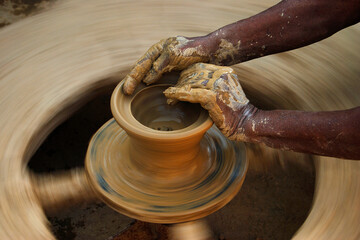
(150, 108)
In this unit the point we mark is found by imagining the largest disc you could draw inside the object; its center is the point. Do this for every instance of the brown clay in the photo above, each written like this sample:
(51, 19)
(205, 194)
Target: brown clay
(218, 90)
(157, 175)
(174, 53)
(164, 140)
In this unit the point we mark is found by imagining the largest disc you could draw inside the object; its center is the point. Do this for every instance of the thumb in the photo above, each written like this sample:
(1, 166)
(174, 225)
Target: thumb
(205, 97)
(188, 94)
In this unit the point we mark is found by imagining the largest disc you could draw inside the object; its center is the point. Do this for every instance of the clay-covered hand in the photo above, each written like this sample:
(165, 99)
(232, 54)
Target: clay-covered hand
(175, 53)
(218, 90)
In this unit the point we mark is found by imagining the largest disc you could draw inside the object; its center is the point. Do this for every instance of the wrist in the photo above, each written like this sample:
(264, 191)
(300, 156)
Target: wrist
(249, 126)
(241, 124)
(208, 44)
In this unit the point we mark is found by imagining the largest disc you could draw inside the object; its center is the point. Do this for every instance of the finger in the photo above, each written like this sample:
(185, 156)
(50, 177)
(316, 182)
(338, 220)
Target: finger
(205, 97)
(209, 71)
(142, 67)
(172, 101)
(197, 79)
(192, 69)
(193, 95)
(157, 70)
(171, 91)
(198, 67)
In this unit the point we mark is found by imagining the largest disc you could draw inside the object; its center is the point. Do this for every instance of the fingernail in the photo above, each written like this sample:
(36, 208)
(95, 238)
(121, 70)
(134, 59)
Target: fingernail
(129, 86)
(170, 90)
(149, 78)
(171, 101)
(127, 90)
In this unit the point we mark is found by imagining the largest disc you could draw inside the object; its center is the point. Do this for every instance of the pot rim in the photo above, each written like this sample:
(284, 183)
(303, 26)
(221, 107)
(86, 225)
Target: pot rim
(134, 128)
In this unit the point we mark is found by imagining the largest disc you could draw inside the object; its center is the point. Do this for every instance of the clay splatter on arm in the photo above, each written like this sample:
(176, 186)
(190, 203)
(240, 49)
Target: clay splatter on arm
(288, 25)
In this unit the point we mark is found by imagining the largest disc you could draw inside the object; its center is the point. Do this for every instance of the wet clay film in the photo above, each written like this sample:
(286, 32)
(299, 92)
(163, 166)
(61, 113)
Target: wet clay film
(150, 108)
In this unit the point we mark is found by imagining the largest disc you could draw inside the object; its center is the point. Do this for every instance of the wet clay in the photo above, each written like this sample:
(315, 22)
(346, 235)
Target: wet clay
(163, 176)
(218, 90)
(226, 52)
(175, 53)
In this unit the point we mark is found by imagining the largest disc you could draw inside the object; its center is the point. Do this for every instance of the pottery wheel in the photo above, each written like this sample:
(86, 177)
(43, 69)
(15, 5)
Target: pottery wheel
(125, 187)
(55, 61)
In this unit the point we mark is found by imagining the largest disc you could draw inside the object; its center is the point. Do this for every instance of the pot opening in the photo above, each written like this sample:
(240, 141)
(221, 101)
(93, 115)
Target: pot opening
(149, 107)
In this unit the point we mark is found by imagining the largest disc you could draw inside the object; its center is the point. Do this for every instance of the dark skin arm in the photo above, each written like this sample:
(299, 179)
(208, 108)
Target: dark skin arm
(288, 25)
(217, 89)
(331, 133)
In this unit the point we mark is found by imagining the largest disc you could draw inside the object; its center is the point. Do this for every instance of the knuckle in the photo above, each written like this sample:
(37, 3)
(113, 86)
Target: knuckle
(156, 67)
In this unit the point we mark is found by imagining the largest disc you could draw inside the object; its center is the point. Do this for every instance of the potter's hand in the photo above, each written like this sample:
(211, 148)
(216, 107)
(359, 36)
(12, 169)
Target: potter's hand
(176, 53)
(218, 90)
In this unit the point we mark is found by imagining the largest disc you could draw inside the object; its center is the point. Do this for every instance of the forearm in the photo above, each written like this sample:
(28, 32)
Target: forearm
(333, 133)
(288, 25)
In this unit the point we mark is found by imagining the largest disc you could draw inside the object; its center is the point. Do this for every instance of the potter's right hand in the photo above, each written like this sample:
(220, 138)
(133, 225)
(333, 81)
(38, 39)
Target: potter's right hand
(218, 90)
(175, 53)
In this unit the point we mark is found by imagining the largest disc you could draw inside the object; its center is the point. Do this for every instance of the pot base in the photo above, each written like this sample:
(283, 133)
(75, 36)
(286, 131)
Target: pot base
(125, 186)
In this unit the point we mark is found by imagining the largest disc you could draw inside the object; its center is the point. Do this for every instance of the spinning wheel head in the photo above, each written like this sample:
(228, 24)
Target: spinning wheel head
(161, 163)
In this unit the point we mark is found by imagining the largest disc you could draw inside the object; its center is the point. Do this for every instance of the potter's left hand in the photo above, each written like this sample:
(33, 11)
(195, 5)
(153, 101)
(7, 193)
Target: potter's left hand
(218, 90)
(175, 53)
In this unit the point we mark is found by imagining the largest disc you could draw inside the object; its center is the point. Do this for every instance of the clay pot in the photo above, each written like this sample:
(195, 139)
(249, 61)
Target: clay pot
(161, 163)
(164, 139)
